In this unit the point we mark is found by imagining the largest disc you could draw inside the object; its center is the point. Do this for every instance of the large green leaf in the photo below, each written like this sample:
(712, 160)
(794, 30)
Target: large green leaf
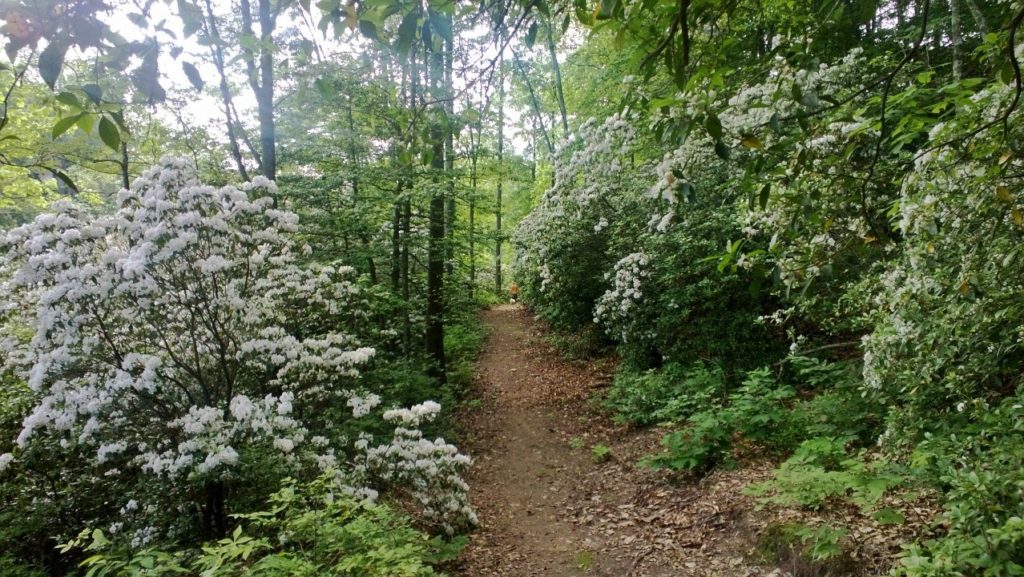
(109, 134)
(51, 61)
(407, 32)
(64, 124)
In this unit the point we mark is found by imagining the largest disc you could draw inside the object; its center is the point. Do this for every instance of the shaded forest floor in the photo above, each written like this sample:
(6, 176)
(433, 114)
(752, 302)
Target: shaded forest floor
(549, 505)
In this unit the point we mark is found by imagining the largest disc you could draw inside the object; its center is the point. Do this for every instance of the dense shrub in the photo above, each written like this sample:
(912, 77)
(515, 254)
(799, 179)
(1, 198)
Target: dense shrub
(669, 394)
(167, 363)
(310, 529)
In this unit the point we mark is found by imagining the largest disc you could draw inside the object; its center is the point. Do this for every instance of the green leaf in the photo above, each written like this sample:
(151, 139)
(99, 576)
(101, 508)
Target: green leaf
(51, 61)
(323, 87)
(606, 9)
(69, 99)
(138, 20)
(531, 35)
(118, 119)
(191, 17)
(888, 516)
(407, 32)
(63, 125)
(810, 100)
(147, 77)
(762, 198)
(441, 25)
(193, 75)
(713, 126)
(94, 92)
(368, 29)
(752, 142)
(722, 150)
(86, 122)
(109, 134)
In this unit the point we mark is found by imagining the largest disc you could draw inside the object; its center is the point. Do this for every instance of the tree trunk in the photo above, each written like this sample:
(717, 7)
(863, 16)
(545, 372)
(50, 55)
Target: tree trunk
(558, 79)
(449, 155)
(434, 336)
(981, 24)
(214, 512)
(501, 176)
(261, 79)
(955, 38)
(217, 54)
(126, 180)
(265, 96)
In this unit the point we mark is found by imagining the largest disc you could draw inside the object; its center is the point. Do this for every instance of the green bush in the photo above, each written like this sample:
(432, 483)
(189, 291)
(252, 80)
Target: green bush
(821, 471)
(804, 550)
(978, 460)
(307, 530)
(669, 394)
(757, 411)
(834, 403)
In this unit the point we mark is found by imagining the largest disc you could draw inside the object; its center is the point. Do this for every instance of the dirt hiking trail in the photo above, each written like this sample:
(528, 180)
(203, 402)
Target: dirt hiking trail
(550, 507)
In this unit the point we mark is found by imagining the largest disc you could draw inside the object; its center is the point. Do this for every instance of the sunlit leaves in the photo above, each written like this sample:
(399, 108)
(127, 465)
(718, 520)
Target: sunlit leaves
(64, 124)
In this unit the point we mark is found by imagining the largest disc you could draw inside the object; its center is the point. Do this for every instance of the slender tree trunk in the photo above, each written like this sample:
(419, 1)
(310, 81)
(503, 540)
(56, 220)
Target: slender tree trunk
(406, 229)
(434, 336)
(265, 97)
(217, 54)
(475, 133)
(126, 180)
(498, 239)
(449, 155)
(535, 105)
(396, 244)
(249, 144)
(955, 38)
(261, 79)
(981, 24)
(558, 78)
(214, 511)
(353, 159)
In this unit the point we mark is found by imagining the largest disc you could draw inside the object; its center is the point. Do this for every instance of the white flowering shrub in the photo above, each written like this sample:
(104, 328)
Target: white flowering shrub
(949, 323)
(564, 243)
(179, 344)
(430, 472)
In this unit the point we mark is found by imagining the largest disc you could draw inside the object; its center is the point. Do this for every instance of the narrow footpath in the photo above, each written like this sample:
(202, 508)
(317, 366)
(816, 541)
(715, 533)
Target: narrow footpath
(552, 506)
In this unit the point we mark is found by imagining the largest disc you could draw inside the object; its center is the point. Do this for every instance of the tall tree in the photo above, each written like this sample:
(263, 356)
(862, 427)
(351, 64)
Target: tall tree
(258, 53)
(498, 233)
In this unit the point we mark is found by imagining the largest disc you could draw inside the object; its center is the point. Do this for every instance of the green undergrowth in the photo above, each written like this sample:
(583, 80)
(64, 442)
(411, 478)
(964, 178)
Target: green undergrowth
(308, 529)
(815, 417)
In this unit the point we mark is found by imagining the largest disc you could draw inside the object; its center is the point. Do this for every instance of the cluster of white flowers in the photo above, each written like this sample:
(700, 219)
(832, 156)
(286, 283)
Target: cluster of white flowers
(170, 336)
(362, 405)
(615, 307)
(431, 471)
(594, 175)
(947, 305)
(415, 415)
